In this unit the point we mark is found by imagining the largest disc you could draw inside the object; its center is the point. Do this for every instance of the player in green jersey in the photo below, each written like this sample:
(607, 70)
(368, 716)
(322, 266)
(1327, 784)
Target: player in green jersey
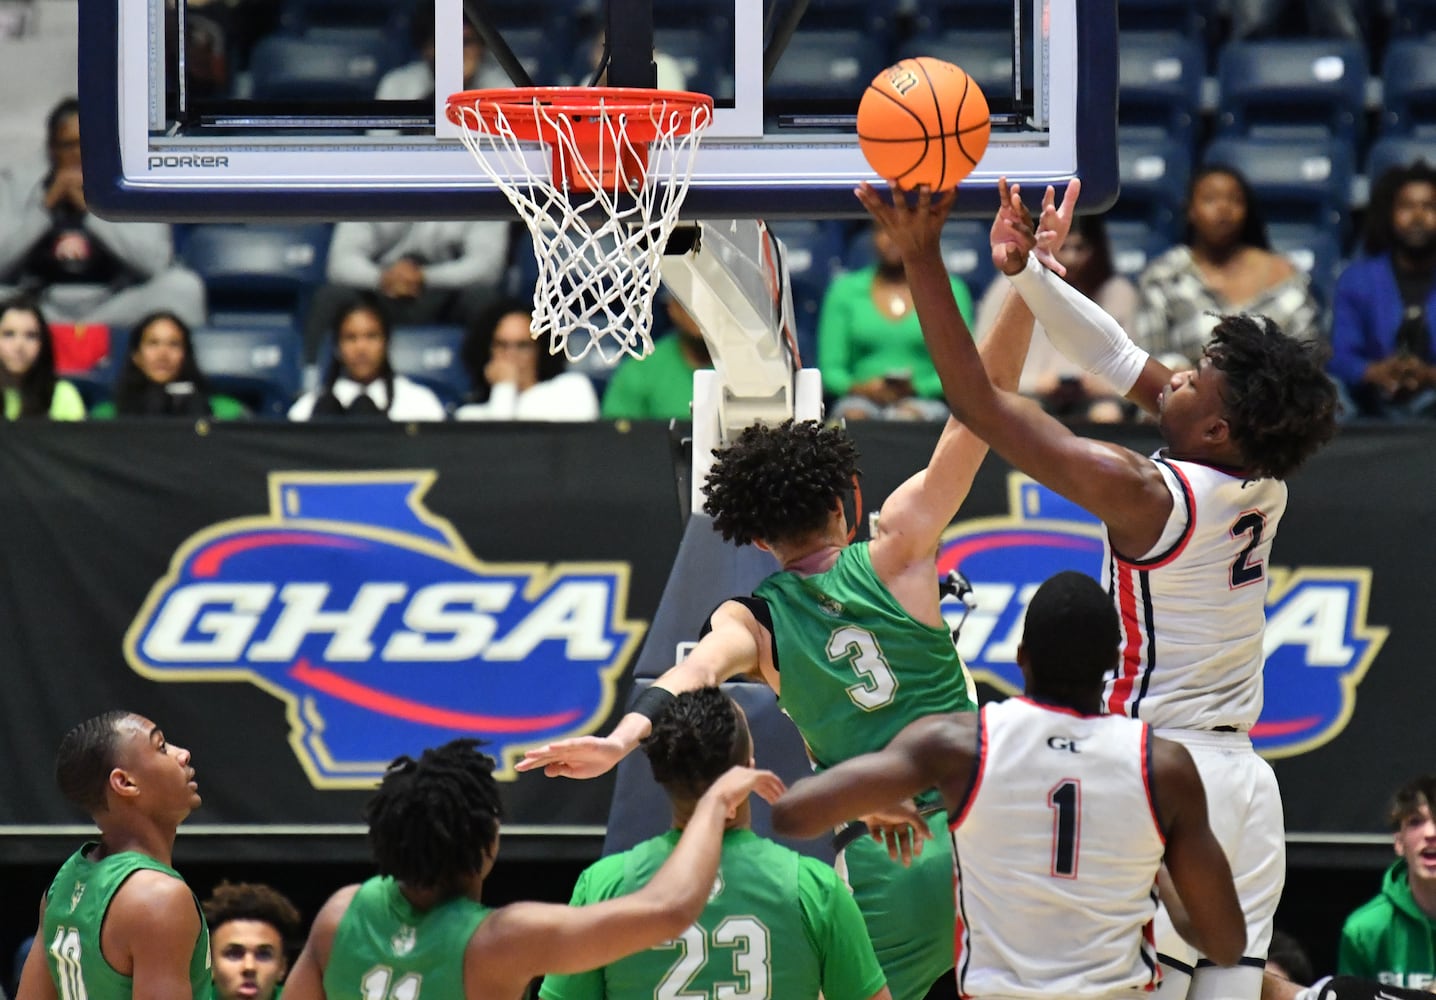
(418, 931)
(118, 921)
(776, 925)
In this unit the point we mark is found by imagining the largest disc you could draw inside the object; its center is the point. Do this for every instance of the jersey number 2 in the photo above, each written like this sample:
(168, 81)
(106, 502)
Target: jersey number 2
(750, 962)
(860, 647)
(1065, 801)
(65, 950)
(1244, 571)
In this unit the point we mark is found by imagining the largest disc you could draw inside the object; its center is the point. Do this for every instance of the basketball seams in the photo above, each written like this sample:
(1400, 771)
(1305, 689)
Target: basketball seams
(937, 115)
(896, 102)
(902, 150)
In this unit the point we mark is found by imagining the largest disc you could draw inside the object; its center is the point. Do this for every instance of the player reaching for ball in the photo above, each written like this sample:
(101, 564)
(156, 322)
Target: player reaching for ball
(1188, 530)
(923, 122)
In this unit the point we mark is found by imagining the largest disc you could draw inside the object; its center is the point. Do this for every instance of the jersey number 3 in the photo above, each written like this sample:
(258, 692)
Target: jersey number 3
(750, 962)
(860, 648)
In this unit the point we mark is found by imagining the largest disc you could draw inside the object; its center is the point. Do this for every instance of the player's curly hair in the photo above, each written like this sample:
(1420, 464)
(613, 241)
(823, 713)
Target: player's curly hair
(252, 901)
(1410, 797)
(87, 755)
(698, 738)
(434, 821)
(779, 483)
(1280, 405)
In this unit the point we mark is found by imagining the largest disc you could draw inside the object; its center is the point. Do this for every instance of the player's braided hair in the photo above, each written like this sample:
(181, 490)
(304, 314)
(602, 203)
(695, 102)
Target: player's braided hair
(699, 737)
(86, 757)
(1410, 797)
(252, 901)
(779, 483)
(433, 822)
(1280, 405)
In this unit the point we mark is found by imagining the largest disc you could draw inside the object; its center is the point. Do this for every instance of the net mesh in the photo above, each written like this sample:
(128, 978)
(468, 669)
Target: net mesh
(601, 215)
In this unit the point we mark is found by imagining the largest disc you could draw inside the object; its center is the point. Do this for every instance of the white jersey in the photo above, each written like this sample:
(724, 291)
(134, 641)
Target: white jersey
(1193, 610)
(1055, 853)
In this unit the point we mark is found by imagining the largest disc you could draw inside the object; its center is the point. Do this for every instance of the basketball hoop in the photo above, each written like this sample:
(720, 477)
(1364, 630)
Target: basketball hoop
(602, 213)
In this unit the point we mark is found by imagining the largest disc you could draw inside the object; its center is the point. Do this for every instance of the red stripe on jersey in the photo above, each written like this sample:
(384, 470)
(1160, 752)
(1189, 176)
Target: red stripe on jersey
(1132, 647)
(953, 824)
(1149, 938)
(1190, 500)
(1146, 745)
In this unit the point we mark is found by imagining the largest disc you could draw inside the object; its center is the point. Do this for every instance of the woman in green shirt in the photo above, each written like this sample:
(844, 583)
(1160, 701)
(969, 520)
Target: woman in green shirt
(27, 367)
(161, 377)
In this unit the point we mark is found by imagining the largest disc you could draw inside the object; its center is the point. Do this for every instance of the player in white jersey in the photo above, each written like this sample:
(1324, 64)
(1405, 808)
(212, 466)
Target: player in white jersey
(1061, 818)
(1188, 530)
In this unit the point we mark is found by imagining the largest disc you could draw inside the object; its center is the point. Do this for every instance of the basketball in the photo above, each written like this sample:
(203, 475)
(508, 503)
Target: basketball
(923, 122)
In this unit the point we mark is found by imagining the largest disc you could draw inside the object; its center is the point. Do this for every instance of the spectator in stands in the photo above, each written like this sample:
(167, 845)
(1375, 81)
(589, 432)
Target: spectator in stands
(27, 367)
(518, 378)
(426, 272)
(1064, 388)
(1224, 264)
(251, 929)
(1384, 311)
(82, 268)
(870, 346)
(360, 382)
(1392, 938)
(415, 80)
(660, 386)
(161, 376)
(1324, 19)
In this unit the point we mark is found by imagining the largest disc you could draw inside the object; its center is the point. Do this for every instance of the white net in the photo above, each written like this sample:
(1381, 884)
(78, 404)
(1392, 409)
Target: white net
(600, 219)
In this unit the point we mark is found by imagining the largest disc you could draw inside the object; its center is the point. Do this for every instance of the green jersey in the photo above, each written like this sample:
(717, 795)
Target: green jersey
(855, 666)
(385, 949)
(75, 908)
(776, 925)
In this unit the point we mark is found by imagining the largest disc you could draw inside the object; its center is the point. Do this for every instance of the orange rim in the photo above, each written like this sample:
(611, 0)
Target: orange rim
(586, 109)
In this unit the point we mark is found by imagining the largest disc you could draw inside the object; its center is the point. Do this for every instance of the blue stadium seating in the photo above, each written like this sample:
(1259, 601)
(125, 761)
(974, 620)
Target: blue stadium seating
(1314, 249)
(260, 366)
(1161, 82)
(830, 64)
(814, 253)
(1398, 151)
(1135, 243)
(986, 56)
(1292, 88)
(430, 355)
(1190, 17)
(299, 17)
(1154, 175)
(319, 69)
(257, 273)
(1306, 181)
(937, 16)
(967, 252)
(1408, 72)
(877, 17)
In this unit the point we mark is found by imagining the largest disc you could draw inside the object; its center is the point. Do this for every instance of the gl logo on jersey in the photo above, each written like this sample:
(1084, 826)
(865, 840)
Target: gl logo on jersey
(370, 618)
(1318, 643)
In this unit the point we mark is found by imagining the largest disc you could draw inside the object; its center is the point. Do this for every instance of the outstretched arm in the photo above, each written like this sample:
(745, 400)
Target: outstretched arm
(1195, 860)
(524, 940)
(937, 751)
(1122, 488)
(730, 649)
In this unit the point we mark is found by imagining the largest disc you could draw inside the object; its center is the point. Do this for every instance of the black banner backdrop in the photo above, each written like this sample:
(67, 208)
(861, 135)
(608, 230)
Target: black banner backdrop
(91, 518)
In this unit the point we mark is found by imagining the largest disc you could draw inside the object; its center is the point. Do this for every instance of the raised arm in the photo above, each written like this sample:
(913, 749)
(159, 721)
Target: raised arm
(35, 981)
(937, 751)
(1195, 861)
(525, 940)
(730, 649)
(1120, 487)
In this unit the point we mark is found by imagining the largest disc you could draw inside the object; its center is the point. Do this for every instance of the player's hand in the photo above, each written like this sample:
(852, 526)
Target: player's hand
(1013, 234)
(732, 789)
(1055, 223)
(582, 757)
(915, 227)
(902, 828)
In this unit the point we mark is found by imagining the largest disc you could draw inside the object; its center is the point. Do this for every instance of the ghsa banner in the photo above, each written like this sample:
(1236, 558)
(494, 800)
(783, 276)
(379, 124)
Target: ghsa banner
(1318, 642)
(369, 617)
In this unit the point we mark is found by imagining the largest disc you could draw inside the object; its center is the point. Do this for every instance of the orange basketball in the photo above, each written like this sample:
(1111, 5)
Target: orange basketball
(923, 121)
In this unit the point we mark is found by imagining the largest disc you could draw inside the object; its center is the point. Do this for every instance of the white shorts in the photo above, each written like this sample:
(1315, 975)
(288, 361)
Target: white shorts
(1244, 810)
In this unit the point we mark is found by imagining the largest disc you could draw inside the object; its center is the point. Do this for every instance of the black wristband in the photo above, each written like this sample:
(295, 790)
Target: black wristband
(653, 702)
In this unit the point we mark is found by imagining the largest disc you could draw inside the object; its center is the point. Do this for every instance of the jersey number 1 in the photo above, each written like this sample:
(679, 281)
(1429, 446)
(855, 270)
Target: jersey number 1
(1065, 801)
(860, 648)
(374, 984)
(65, 950)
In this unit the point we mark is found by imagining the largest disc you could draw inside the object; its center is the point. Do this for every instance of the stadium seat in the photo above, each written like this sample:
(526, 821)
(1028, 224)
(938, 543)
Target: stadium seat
(1413, 17)
(939, 16)
(1190, 17)
(1135, 244)
(319, 69)
(1314, 249)
(301, 17)
(1305, 181)
(1154, 174)
(1398, 151)
(878, 17)
(1293, 88)
(430, 355)
(986, 56)
(261, 366)
(1160, 83)
(714, 16)
(1408, 73)
(830, 65)
(257, 274)
(814, 254)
